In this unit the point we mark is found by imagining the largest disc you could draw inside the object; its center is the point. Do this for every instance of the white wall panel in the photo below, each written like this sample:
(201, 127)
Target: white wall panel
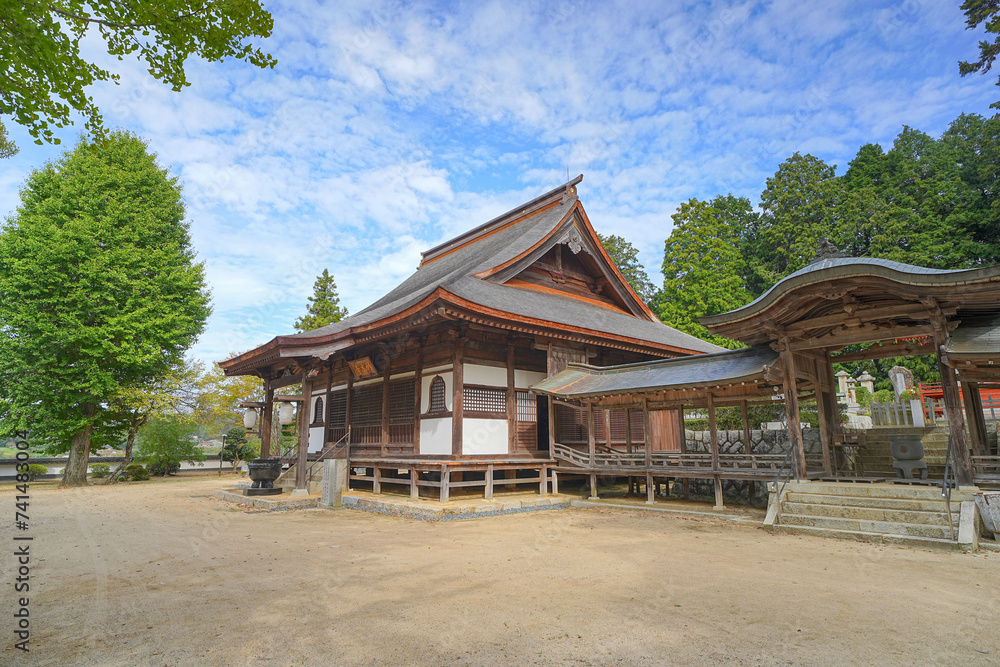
(435, 436)
(483, 436)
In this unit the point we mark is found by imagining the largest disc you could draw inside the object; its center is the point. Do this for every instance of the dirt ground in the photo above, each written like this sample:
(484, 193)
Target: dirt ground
(157, 573)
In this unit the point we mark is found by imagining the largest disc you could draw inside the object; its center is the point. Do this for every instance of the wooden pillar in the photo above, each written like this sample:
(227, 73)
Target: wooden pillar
(511, 402)
(543, 482)
(555, 483)
(349, 410)
(325, 418)
(977, 421)
(823, 408)
(414, 487)
(628, 430)
(628, 443)
(791, 390)
(748, 447)
(488, 493)
(650, 489)
(267, 416)
(718, 492)
(713, 433)
(376, 480)
(418, 388)
(952, 405)
(607, 428)
(647, 426)
(445, 481)
(682, 437)
(304, 407)
(552, 423)
(458, 382)
(385, 408)
(591, 438)
(593, 487)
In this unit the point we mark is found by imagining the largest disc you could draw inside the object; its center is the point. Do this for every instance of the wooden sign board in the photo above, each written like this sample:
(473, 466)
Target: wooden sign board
(363, 368)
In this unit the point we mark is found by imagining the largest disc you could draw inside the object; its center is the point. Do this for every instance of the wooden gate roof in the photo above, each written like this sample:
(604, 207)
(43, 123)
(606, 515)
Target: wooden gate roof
(742, 369)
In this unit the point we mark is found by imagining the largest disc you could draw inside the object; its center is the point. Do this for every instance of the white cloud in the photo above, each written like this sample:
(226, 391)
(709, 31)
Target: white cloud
(388, 127)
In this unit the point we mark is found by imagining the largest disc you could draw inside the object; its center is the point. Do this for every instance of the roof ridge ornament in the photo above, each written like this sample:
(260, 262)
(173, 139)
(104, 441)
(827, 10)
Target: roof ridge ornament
(827, 250)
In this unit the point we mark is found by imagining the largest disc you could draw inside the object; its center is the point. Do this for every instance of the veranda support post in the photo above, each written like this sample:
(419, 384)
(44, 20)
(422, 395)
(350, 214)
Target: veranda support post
(713, 430)
(301, 483)
(790, 387)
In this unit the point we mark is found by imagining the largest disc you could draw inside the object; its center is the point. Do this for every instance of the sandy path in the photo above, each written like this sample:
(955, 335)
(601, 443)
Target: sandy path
(145, 574)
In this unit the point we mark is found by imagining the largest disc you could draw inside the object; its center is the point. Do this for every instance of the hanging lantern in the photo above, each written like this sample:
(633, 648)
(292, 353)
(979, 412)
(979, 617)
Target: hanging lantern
(286, 414)
(249, 418)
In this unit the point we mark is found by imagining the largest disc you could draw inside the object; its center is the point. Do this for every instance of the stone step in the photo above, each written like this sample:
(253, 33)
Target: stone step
(880, 490)
(867, 501)
(876, 538)
(864, 526)
(923, 517)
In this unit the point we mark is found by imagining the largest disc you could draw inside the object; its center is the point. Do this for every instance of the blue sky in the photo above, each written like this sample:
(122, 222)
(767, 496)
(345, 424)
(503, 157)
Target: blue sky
(387, 128)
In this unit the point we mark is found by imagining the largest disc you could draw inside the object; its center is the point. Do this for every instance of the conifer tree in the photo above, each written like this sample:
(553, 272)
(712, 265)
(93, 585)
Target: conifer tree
(324, 305)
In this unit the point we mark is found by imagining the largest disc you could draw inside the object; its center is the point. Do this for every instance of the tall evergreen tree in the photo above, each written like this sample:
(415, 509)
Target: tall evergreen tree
(798, 213)
(704, 271)
(99, 291)
(324, 305)
(626, 258)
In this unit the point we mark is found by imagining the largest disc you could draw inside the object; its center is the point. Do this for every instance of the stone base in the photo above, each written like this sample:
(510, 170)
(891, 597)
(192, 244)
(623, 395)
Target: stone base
(300, 492)
(261, 492)
(233, 496)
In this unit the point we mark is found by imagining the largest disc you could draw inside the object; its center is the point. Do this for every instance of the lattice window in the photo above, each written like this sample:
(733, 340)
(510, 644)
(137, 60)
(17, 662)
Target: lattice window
(366, 406)
(438, 390)
(598, 425)
(638, 430)
(401, 397)
(318, 412)
(485, 399)
(527, 407)
(571, 424)
(337, 417)
(618, 426)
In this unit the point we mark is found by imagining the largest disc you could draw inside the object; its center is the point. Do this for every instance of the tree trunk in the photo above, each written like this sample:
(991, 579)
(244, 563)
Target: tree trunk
(129, 442)
(75, 473)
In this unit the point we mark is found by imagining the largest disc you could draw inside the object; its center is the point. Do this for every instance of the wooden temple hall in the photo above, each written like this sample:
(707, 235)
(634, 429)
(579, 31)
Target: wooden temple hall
(428, 390)
(517, 354)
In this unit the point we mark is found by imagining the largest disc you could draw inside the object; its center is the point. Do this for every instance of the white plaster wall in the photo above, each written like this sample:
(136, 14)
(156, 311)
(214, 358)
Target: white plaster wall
(527, 379)
(435, 436)
(425, 394)
(316, 439)
(482, 436)
(491, 376)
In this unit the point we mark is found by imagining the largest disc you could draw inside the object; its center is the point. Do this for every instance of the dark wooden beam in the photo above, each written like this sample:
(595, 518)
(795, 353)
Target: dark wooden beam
(953, 407)
(899, 349)
(418, 389)
(300, 466)
(792, 406)
(458, 385)
(863, 334)
(266, 418)
(511, 402)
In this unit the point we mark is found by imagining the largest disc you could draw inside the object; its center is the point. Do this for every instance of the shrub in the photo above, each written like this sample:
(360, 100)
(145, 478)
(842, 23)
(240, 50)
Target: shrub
(884, 396)
(100, 470)
(36, 470)
(163, 466)
(135, 472)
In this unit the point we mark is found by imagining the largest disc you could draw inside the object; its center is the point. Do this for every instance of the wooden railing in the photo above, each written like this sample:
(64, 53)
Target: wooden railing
(665, 461)
(986, 469)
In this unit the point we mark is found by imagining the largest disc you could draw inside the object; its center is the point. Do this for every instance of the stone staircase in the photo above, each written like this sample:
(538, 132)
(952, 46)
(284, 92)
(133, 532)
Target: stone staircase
(876, 459)
(900, 514)
(287, 479)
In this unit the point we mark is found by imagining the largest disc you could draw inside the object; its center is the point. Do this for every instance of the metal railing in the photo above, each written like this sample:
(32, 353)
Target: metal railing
(328, 452)
(790, 458)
